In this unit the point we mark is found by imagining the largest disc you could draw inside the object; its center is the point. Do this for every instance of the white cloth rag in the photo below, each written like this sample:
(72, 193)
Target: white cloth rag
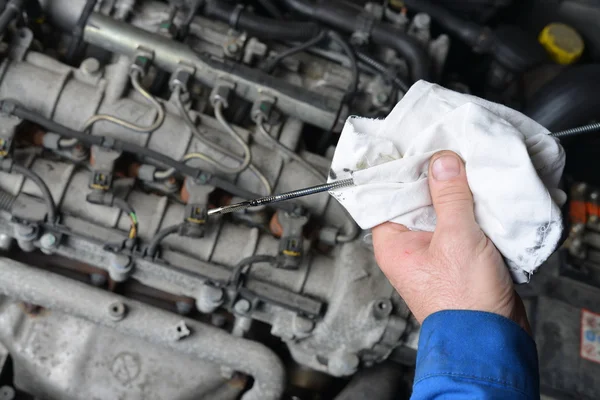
(513, 167)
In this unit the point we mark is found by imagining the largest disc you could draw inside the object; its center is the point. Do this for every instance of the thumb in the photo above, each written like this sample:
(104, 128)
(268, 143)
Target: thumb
(452, 198)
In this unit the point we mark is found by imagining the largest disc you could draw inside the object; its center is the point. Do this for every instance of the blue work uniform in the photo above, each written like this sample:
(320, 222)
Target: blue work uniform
(475, 355)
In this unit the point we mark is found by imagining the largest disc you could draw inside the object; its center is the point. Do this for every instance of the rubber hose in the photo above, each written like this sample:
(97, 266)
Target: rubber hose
(261, 27)
(6, 201)
(570, 99)
(345, 17)
(159, 237)
(380, 382)
(44, 190)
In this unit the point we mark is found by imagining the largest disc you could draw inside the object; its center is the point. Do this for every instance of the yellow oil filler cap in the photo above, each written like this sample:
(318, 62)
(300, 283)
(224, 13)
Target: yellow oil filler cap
(562, 42)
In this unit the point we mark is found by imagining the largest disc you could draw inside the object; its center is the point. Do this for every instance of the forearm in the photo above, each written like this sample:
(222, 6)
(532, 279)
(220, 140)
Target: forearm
(471, 354)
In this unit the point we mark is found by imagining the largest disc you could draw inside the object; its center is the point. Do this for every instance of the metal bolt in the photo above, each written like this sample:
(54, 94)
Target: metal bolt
(209, 298)
(117, 311)
(48, 243)
(120, 267)
(25, 235)
(242, 306)
(7, 393)
(90, 66)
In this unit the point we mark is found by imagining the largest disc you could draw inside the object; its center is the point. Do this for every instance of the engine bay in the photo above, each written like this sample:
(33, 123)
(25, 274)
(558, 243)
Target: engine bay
(123, 122)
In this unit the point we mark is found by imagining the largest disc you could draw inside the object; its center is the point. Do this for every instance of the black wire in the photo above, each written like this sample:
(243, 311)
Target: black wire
(11, 107)
(123, 205)
(159, 237)
(75, 44)
(270, 64)
(236, 274)
(46, 194)
(352, 89)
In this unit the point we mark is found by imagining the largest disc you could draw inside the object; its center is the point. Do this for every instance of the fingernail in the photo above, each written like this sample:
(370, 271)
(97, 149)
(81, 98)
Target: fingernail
(445, 168)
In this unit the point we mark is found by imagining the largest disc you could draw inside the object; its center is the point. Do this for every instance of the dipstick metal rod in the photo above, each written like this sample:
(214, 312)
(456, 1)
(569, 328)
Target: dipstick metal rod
(282, 197)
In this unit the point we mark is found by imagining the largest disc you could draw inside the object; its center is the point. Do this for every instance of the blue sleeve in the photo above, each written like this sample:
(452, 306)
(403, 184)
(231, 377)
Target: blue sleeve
(475, 355)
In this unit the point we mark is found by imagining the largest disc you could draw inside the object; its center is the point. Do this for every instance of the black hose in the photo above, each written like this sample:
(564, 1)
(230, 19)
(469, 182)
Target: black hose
(6, 201)
(269, 65)
(46, 194)
(351, 91)
(236, 274)
(347, 18)
(159, 237)
(266, 28)
(570, 99)
(353, 87)
(77, 36)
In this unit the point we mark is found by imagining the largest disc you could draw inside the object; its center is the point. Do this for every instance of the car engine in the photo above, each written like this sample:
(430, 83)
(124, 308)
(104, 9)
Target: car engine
(123, 122)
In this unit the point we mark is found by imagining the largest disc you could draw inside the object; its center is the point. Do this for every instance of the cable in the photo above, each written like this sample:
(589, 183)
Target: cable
(291, 154)
(75, 44)
(184, 113)
(396, 80)
(160, 117)
(336, 37)
(13, 108)
(229, 129)
(188, 121)
(236, 274)
(577, 131)
(46, 194)
(351, 89)
(122, 205)
(159, 237)
(270, 65)
(190, 156)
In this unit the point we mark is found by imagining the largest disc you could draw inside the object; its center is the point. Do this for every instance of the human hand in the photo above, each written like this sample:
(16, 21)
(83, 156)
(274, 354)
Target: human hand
(454, 268)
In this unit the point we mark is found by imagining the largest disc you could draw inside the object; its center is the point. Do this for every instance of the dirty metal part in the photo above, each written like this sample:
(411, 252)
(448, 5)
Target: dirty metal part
(153, 325)
(123, 38)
